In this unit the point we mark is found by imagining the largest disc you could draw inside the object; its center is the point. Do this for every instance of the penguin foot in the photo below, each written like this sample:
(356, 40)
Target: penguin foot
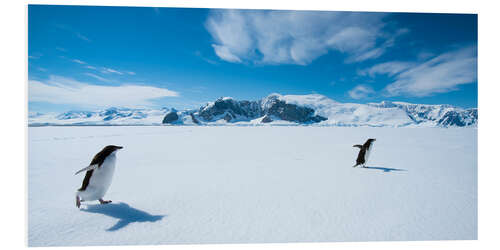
(104, 202)
(78, 203)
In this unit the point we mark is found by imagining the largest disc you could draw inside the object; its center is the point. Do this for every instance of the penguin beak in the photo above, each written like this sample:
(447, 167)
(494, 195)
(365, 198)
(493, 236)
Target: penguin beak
(119, 147)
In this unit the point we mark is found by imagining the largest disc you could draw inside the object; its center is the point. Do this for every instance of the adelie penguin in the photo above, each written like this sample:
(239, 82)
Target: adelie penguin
(364, 152)
(98, 177)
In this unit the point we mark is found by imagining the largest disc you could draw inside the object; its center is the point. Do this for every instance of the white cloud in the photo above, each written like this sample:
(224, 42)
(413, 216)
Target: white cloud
(62, 90)
(439, 74)
(108, 70)
(78, 61)
(388, 68)
(361, 91)
(229, 29)
(98, 77)
(297, 37)
(103, 70)
(225, 54)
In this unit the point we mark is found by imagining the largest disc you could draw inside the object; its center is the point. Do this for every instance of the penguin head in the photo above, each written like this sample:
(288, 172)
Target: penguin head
(372, 140)
(112, 148)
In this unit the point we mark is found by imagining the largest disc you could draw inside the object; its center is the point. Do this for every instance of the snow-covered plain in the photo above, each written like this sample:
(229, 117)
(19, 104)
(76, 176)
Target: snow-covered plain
(190, 184)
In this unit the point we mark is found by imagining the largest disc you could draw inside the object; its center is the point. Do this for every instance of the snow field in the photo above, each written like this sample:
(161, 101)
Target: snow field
(187, 184)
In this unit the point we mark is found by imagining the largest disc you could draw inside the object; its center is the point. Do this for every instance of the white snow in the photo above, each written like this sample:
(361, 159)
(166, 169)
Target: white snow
(199, 184)
(149, 117)
(364, 115)
(349, 114)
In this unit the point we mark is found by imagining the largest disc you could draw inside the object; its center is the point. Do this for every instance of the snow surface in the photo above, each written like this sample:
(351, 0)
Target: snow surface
(187, 184)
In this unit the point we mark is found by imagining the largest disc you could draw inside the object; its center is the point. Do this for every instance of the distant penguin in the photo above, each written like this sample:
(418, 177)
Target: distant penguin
(98, 177)
(364, 152)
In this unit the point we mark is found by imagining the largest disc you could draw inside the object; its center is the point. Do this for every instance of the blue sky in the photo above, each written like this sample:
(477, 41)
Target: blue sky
(88, 58)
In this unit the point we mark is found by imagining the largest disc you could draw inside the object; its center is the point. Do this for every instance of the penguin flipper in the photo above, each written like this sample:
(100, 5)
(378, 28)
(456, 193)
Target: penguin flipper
(358, 146)
(87, 168)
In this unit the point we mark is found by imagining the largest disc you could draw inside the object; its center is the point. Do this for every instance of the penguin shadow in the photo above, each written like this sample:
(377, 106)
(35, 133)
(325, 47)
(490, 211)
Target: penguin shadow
(387, 170)
(122, 211)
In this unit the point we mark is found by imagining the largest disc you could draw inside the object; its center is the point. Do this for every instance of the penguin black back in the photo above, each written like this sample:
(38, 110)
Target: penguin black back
(98, 159)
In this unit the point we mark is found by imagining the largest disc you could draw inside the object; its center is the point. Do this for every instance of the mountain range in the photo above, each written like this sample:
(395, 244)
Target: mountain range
(275, 109)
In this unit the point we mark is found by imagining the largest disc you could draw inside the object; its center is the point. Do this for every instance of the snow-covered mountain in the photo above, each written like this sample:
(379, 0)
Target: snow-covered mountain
(275, 109)
(110, 116)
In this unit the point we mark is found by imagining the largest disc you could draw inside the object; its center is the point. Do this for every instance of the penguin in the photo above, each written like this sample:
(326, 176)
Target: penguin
(364, 152)
(98, 177)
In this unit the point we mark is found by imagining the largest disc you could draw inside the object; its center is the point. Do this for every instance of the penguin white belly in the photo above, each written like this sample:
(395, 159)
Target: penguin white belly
(100, 180)
(368, 151)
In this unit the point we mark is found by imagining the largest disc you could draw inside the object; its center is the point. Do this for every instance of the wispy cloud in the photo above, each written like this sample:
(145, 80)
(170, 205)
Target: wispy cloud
(98, 77)
(109, 70)
(387, 68)
(224, 53)
(62, 90)
(78, 61)
(200, 55)
(103, 70)
(361, 91)
(439, 74)
(72, 31)
(377, 51)
(61, 49)
(297, 37)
